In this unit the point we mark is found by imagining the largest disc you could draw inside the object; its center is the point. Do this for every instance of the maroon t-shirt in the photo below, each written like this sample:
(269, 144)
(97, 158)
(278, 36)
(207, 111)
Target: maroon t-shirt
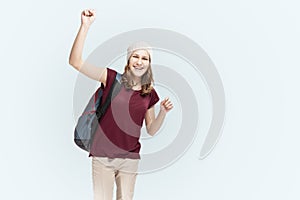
(120, 127)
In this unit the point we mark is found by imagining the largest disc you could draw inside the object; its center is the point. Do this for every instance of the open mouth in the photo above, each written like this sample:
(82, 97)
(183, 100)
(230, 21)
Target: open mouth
(139, 68)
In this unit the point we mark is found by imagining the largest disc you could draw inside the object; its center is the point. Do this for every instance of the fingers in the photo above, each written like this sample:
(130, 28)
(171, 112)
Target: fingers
(92, 12)
(167, 103)
(166, 99)
(88, 16)
(89, 13)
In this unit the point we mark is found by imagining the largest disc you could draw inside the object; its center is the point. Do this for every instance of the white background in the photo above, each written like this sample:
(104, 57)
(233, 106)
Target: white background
(254, 45)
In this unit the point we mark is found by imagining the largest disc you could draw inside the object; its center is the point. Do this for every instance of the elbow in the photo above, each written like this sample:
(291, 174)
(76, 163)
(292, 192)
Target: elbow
(71, 62)
(150, 131)
(74, 64)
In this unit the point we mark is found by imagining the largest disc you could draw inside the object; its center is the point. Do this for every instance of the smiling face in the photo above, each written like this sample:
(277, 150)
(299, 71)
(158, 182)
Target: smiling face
(139, 62)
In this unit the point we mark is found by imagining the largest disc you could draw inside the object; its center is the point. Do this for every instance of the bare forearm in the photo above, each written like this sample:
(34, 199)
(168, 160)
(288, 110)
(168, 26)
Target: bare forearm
(75, 58)
(156, 124)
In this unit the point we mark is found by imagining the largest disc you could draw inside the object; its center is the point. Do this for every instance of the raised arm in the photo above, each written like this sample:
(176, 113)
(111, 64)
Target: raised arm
(75, 58)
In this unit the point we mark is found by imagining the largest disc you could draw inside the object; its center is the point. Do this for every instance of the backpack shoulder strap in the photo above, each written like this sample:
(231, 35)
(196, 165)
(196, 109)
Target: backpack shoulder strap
(118, 77)
(114, 90)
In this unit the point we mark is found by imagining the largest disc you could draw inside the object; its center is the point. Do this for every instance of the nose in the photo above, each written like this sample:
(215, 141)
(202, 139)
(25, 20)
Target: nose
(139, 61)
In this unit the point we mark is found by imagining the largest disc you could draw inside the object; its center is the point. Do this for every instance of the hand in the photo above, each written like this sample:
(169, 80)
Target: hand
(166, 105)
(88, 16)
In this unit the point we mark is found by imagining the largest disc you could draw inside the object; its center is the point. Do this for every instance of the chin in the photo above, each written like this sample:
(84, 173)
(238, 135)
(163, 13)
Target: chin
(138, 73)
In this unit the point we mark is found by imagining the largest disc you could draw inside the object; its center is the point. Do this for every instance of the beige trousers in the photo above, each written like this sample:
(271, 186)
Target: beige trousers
(107, 171)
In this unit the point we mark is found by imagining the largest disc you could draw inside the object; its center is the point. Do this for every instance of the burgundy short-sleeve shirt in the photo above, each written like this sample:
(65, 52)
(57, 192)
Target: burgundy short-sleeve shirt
(120, 128)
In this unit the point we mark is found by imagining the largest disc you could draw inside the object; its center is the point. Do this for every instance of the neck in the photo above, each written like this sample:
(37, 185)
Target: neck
(136, 81)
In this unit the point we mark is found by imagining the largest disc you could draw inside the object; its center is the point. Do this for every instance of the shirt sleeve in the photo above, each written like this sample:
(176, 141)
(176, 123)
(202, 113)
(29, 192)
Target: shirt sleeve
(154, 98)
(110, 77)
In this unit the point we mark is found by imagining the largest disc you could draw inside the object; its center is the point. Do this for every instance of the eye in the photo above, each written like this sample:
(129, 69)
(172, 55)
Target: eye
(135, 56)
(145, 58)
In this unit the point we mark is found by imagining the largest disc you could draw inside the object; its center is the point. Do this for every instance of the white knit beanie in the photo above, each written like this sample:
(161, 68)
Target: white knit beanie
(139, 45)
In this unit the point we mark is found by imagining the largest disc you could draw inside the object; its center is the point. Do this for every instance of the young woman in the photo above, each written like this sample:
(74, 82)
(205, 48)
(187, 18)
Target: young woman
(115, 148)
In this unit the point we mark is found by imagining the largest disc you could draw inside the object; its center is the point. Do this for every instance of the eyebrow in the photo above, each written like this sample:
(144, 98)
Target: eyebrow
(144, 56)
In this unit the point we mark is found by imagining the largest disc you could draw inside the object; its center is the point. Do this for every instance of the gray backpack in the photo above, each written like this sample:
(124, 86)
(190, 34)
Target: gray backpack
(88, 122)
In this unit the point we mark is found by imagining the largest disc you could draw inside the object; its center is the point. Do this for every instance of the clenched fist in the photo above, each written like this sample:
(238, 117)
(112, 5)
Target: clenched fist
(88, 16)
